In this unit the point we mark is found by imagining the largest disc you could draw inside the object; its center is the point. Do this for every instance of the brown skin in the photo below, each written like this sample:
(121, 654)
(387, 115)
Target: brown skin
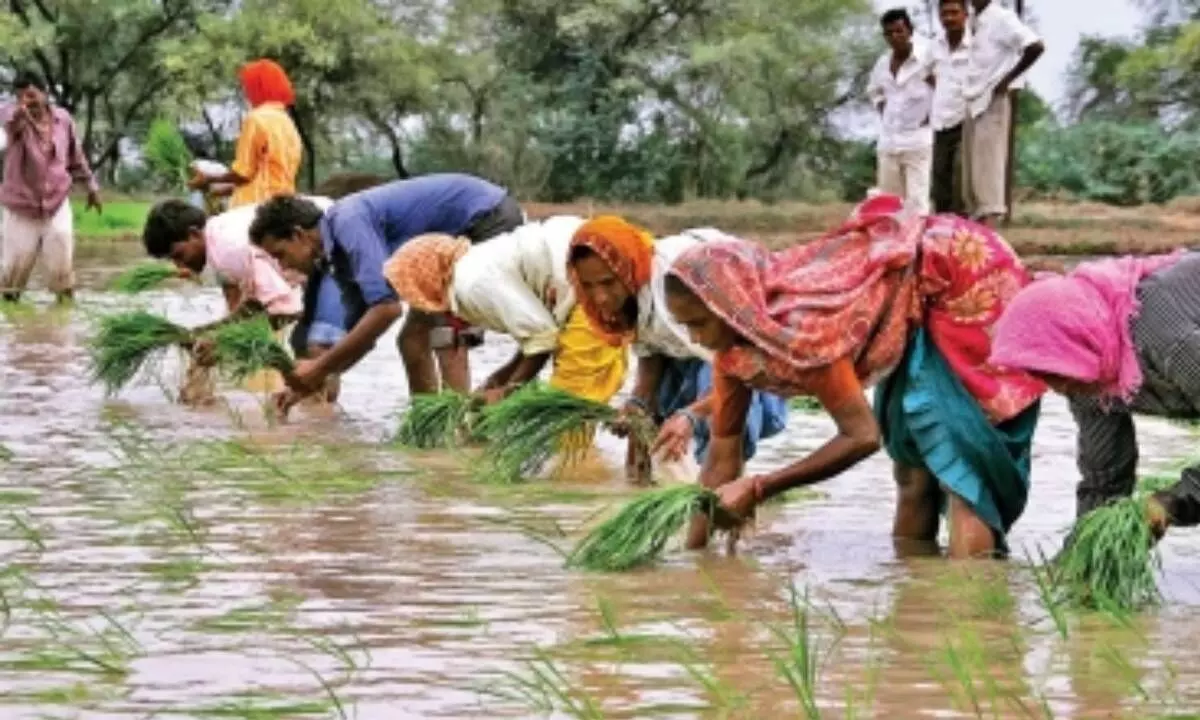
(858, 437)
(606, 291)
(191, 255)
(954, 21)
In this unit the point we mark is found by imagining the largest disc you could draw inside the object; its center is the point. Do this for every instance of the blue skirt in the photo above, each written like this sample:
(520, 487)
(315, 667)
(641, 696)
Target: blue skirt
(686, 381)
(929, 420)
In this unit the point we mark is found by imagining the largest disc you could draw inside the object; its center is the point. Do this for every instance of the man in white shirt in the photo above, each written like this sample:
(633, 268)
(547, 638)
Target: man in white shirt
(900, 89)
(951, 61)
(1002, 49)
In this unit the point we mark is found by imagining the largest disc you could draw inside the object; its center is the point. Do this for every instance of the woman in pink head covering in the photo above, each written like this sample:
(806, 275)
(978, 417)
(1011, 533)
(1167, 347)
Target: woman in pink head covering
(893, 299)
(1116, 337)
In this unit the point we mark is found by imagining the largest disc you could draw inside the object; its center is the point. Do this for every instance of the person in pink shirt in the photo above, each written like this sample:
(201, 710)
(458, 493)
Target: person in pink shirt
(43, 159)
(252, 281)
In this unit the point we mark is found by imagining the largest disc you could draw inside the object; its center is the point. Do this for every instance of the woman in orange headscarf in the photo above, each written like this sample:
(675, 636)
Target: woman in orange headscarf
(269, 148)
(617, 270)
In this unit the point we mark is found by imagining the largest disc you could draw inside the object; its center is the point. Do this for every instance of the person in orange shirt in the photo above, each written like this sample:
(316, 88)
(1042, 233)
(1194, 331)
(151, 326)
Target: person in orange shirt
(269, 148)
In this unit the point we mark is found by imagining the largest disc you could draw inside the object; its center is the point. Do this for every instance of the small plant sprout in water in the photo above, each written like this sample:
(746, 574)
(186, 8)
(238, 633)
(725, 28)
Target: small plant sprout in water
(803, 656)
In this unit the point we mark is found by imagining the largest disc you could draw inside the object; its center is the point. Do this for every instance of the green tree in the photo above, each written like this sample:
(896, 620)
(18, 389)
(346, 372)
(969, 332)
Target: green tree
(104, 61)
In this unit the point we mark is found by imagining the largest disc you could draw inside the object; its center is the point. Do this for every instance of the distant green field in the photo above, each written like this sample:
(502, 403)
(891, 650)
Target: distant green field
(120, 219)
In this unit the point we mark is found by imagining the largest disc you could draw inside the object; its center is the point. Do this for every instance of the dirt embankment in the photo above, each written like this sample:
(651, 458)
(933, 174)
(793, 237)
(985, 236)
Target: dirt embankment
(1037, 229)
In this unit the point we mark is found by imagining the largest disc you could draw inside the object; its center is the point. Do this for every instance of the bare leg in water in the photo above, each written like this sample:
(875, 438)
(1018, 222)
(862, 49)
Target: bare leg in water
(417, 354)
(918, 505)
(970, 537)
(455, 365)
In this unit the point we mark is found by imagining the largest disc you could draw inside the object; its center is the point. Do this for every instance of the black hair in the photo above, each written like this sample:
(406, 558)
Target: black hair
(896, 15)
(169, 222)
(961, 3)
(580, 252)
(281, 215)
(28, 78)
(675, 286)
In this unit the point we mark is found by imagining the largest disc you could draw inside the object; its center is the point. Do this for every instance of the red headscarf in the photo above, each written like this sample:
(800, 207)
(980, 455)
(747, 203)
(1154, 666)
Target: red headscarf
(265, 81)
(628, 250)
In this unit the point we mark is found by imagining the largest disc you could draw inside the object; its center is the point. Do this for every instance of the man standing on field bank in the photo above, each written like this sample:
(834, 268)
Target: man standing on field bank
(1003, 48)
(900, 89)
(44, 156)
(951, 60)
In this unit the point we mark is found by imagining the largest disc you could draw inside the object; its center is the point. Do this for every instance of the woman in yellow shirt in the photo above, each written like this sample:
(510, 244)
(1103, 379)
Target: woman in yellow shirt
(269, 148)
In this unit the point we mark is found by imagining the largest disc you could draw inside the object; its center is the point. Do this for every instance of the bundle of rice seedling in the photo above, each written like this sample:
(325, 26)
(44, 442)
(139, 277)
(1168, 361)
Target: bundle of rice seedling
(145, 276)
(531, 426)
(1110, 560)
(126, 342)
(247, 347)
(435, 420)
(637, 534)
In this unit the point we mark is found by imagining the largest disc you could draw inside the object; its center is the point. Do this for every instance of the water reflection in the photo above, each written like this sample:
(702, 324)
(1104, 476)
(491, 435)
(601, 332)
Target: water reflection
(439, 580)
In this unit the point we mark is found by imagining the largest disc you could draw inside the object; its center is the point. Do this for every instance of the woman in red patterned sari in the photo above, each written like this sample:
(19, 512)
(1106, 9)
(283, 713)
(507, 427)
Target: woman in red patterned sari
(892, 299)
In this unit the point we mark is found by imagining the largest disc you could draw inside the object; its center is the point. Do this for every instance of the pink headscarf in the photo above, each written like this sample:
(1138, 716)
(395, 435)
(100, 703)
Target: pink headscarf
(1077, 326)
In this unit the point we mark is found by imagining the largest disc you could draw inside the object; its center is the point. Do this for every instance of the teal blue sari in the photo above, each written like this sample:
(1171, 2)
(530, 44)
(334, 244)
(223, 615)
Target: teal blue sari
(929, 420)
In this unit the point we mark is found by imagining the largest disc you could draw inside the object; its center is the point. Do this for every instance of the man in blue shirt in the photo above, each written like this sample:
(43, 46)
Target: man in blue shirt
(353, 239)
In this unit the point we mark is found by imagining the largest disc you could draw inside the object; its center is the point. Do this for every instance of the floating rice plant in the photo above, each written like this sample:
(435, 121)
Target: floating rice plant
(538, 422)
(249, 346)
(126, 342)
(436, 420)
(143, 277)
(637, 534)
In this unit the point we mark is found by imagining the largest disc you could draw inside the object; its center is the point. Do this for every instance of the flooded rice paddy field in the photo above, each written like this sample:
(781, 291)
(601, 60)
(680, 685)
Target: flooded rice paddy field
(159, 561)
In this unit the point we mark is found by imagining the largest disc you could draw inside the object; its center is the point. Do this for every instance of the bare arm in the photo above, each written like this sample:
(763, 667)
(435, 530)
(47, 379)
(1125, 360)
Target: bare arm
(359, 341)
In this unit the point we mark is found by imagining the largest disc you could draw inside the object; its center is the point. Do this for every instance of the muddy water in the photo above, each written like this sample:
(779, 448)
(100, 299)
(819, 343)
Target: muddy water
(245, 587)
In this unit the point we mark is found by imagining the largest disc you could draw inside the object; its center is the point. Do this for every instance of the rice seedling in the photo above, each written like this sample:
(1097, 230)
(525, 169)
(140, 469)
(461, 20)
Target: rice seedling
(436, 420)
(126, 342)
(247, 347)
(804, 657)
(143, 277)
(1048, 584)
(544, 688)
(1111, 559)
(637, 534)
(537, 422)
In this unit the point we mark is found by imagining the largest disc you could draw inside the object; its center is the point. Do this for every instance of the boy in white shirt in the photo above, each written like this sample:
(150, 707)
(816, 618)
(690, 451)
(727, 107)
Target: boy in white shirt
(951, 61)
(1002, 50)
(901, 90)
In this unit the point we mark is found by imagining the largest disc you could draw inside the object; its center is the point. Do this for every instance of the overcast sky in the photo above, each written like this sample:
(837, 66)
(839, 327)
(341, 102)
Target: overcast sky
(1061, 23)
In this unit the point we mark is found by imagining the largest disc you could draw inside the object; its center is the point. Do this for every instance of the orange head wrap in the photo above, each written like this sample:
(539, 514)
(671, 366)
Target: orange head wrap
(421, 270)
(627, 249)
(265, 81)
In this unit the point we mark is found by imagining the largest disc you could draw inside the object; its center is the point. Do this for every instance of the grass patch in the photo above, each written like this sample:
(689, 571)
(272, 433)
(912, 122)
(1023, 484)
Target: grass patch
(119, 219)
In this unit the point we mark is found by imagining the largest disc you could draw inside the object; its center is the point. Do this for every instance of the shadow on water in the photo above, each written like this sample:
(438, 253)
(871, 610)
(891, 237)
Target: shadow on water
(182, 563)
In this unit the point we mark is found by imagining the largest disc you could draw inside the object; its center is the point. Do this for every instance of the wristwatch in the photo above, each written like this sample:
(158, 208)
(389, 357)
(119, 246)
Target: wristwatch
(691, 416)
